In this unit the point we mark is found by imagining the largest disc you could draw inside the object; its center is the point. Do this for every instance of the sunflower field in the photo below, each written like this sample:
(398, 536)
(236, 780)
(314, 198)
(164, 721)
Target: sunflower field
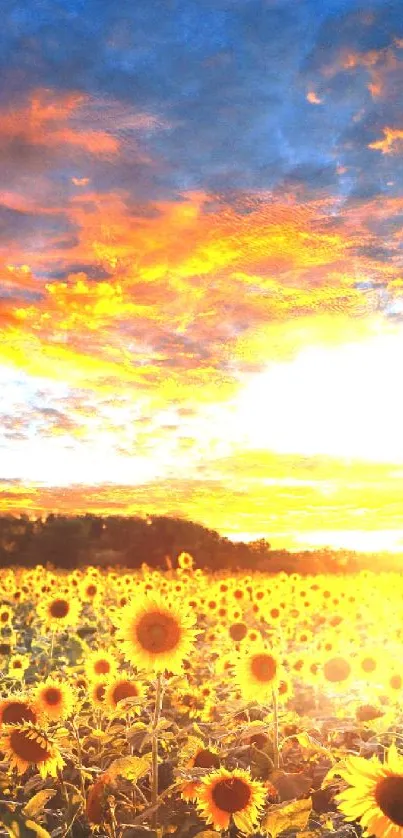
(143, 704)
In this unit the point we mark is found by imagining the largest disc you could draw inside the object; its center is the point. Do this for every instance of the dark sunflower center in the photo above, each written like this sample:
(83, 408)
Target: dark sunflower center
(368, 665)
(4, 617)
(231, 794)
(259, 740)
(91, 590)
(396, 682)
(100, 692)
(52, 696)
(263, 667)
(389, 797)
(17, 712)
(17, 665)
(206, 759)
(124, 690)
(102, 666)
(157, 632)
(238, 631)
(27, 748)
(336, 669)
(367, 712)
(59, 608)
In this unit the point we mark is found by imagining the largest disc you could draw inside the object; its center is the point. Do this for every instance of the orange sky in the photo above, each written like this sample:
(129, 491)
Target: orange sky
(229, 355)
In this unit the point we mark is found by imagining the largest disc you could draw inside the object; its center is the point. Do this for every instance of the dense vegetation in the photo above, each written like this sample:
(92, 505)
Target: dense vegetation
(72, 541)
(193, 704)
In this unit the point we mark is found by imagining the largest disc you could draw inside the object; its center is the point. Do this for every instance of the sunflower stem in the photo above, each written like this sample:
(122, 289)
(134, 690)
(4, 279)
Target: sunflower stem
(276, 748)
(154, 764)
(50, 661)
(80, 758)
(63, 788)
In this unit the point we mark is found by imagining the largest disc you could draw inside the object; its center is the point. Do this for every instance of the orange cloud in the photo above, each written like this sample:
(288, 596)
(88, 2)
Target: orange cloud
(43, 121)
(392, 137)
(313, 98)
(235, 496)
(168, 292)
(379, 64)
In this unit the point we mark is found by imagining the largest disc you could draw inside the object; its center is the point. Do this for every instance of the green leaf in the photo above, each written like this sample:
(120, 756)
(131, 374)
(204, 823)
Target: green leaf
(290, 785)
(333, 772)
(37, 803)
(294, 815)
(310, 744)
(132, 768)
(20, 827)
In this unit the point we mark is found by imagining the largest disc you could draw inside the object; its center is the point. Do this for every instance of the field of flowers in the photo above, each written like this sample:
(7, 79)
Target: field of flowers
(141, 704)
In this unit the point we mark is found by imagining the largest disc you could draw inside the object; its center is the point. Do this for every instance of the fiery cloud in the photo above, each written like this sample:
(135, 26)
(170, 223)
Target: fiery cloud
(391, 142)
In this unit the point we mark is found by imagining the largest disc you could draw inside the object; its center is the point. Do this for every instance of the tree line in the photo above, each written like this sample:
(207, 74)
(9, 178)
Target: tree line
(114, 540)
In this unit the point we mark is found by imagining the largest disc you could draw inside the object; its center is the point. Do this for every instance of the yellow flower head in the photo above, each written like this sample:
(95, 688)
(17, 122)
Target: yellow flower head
(17, 666)
(121, 688)
(100, 664)
(16, 709)
(155, 635)
(198, 755)
(54, 699)
(185, 561)
(223, 795)
(26, 745)
(6, 616)
(375, 794)
(98, 692)
(257, 672)
(59, 610)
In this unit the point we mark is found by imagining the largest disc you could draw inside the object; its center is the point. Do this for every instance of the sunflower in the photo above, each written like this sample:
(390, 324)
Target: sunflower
(98, 693)
(26, 745)
(90, 589)
(257, 672)
(185, 561)
(285, 689)
(394, 685)
(375, 795)
(199, 756)
(224, 794)
(156, 635)
(337, 672)
(59, 610)
(17, 709)
(6, 616)
(96, 806)
(370, 664)
(17, 666)
(120, 689)
(100, 664)
(54, 699)
(238, 631)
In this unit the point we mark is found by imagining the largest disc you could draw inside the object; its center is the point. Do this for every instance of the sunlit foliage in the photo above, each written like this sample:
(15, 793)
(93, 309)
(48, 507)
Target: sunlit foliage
(185, 702)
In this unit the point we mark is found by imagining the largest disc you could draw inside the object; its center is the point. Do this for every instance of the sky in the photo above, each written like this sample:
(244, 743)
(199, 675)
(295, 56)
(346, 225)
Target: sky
(201, 265)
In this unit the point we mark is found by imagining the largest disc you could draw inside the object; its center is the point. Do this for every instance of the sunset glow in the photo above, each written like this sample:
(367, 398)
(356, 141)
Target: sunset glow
(201, 293)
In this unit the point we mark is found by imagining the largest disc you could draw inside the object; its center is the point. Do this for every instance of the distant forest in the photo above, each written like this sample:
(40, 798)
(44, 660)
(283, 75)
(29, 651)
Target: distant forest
(128, 542)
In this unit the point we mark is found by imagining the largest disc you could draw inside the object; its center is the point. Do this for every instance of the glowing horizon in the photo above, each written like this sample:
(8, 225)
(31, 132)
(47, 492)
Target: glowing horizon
(201, 292)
